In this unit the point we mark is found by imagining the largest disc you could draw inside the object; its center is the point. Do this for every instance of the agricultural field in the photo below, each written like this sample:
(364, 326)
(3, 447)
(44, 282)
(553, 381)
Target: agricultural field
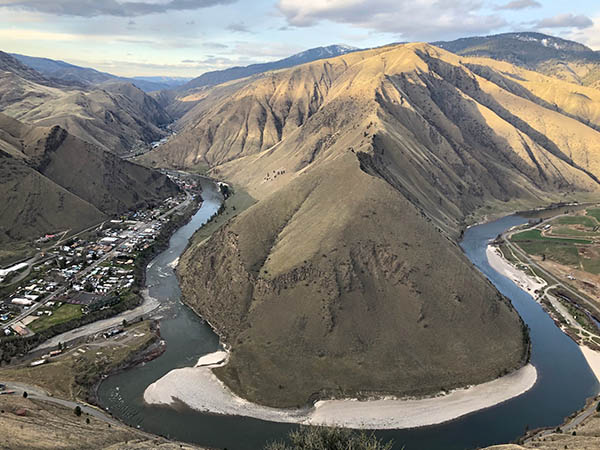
(595, 213)
(572, 241)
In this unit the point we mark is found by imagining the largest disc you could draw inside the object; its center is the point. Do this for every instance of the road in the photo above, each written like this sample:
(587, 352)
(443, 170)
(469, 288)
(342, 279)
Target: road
(35, 393)
(590, 409)
(88, 269)
(149, 305)
(540, 270)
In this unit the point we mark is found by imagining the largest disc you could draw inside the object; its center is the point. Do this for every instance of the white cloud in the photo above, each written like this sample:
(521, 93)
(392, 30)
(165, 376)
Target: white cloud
(589, 36)
(91, 8)
(566, 21)
(520, 4)
(410, 19)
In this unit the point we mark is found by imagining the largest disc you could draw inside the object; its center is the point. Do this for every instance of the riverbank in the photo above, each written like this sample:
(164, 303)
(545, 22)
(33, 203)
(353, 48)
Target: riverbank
(531, 285)
(501, 265)
(198, 388)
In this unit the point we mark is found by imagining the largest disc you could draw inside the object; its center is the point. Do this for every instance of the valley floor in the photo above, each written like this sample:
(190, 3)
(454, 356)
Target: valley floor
(539, 288)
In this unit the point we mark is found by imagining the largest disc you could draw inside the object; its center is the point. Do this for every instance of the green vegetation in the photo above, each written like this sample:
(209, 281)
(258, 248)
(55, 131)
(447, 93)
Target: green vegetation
(591, 265)
(566, 231)
(323, 438)
(236, 203)
(588, 222)
(73, 374)
(63, 313)
(536, 235)
(580, 316)
(563, 251)
(594, 212)
(508, 254)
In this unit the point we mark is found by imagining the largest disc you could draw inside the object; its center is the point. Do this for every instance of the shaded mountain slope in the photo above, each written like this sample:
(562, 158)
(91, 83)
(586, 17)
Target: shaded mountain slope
(337, 285)
(116, 117)
(550, 55)
(53, 181)
(345, 277)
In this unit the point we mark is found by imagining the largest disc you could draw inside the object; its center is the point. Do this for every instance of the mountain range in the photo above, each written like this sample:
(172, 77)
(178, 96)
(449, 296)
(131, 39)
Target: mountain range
(70, 73)
(561, 58)
(345, 277)
(235, 73)
(116, 116)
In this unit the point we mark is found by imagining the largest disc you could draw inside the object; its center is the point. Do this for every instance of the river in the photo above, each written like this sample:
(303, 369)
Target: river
(564, 378)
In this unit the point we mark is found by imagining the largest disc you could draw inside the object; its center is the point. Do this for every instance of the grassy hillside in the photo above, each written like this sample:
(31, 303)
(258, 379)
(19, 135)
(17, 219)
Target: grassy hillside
(344, 277)
(116, 116)
(52, 181)
(322, 297)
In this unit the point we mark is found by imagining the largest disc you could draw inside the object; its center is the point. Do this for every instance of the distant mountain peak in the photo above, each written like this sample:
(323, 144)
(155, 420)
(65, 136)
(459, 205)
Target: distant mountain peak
(236, 73)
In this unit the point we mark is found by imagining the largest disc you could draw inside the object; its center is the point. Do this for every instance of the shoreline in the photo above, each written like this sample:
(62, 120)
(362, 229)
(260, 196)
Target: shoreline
(198, 388)
(530, 284)
(501, 265)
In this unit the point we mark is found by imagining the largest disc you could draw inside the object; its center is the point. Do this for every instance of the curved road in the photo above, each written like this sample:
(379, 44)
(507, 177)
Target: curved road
(35, 393)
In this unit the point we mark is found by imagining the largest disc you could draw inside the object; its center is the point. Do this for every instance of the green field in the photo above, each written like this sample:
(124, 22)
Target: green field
(536, 235)
(61, 314)
(565, 231)
(591, 265)
(588, 222)
(563, 251)
(594, 212)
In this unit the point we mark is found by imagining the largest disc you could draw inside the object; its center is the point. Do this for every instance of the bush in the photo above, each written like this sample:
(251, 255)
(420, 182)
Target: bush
(77, 411)
(324, 438)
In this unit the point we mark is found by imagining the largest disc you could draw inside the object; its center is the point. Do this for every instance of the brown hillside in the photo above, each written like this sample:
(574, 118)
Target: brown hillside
(117, 116)
(53, 181)
(345, 277)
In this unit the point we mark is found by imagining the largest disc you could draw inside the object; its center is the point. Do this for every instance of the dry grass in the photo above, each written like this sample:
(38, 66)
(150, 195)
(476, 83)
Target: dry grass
(72, 374)
(49, 426)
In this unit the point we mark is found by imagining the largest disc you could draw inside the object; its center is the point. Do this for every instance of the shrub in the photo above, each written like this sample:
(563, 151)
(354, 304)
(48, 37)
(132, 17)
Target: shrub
(321, 438)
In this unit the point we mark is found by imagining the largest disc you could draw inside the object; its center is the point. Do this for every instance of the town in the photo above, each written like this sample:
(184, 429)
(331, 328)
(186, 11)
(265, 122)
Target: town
(88, 272)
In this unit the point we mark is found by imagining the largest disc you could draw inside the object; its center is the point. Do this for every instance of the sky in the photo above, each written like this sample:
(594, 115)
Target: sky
(189, 37)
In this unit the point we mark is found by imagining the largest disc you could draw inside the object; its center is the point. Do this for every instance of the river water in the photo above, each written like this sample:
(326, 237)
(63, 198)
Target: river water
(564, 378)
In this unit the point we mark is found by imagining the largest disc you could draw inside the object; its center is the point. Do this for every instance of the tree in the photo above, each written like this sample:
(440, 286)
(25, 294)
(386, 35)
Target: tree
(25, 394)
(77, 411)
(124, 323)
